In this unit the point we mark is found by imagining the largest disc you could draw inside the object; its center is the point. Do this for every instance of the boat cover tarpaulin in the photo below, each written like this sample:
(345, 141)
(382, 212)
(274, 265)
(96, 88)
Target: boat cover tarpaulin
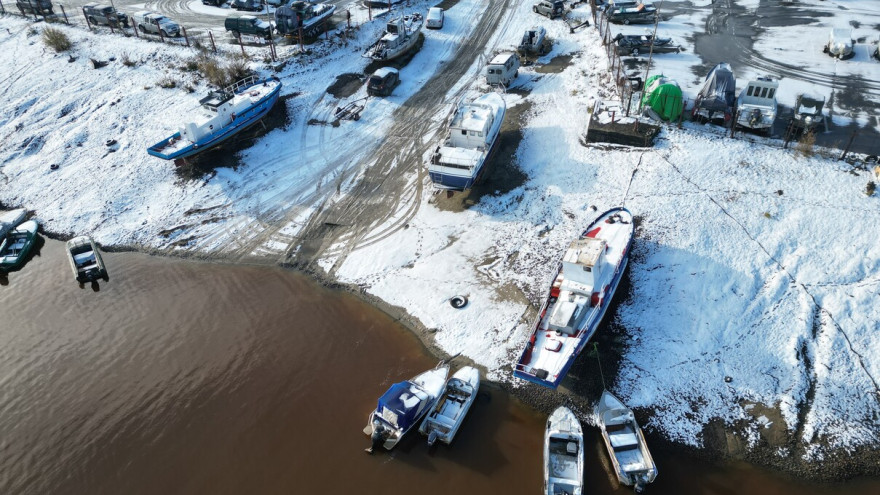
(403, 400)
(664, 96)
(719, 91)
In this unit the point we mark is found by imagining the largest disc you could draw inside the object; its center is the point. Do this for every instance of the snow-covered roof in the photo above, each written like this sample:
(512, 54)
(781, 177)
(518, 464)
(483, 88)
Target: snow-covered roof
(384, 71)
(585, 252)
(501, 58)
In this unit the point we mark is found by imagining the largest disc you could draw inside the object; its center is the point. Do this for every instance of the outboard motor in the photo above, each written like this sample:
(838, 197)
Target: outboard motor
(432, 438)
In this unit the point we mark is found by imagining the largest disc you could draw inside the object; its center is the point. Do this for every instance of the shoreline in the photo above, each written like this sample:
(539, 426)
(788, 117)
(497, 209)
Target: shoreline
(723, 444)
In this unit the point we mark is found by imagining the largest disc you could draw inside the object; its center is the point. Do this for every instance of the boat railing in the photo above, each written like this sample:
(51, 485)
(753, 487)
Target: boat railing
(244, 83)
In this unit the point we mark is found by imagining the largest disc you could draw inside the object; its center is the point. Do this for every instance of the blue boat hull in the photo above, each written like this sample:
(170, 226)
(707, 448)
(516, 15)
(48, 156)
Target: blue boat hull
(462, 182)
(247, 118)
(590, 330)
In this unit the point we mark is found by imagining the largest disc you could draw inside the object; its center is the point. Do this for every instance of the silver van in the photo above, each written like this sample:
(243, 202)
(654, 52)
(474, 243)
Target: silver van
(503, 68)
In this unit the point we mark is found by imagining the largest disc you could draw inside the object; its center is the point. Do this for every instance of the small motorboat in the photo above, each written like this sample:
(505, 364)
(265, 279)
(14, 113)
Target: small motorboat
(581, 292)
(717, 97)
(403, 406)
(563, 454)
(222, 115)
(85, 260)
(626, 445)
(17, 244)
(446, 416)
(10, 220)
(401, 34)
(304, 17)
(533, 41)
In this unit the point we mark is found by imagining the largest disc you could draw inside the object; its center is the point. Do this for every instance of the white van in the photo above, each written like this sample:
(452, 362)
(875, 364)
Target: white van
(503, 68)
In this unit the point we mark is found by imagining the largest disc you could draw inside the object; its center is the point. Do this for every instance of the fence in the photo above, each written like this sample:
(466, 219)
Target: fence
(197, 38)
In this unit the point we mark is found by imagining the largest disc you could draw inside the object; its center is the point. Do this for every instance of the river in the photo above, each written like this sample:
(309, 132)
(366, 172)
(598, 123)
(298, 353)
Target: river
(185, 377)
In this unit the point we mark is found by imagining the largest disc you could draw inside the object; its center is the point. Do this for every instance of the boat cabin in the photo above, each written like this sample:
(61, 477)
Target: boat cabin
(580, 267)
(223, 108)
(470, 126)
(759, 92)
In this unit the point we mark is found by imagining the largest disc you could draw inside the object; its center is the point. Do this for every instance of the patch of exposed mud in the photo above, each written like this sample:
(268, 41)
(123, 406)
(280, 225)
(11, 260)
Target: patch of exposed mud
(556, 65)
(346, 85)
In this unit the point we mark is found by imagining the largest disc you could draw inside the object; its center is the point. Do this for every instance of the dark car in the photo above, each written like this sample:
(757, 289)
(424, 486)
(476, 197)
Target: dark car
(248, 24)
(249, 5)
(36, 7)
(633, 44)
(216, 3)
(383, 81)
(105, 15)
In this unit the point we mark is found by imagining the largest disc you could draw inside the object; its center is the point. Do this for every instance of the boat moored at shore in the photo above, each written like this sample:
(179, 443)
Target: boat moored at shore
(563, 454)
(403, 406)
(401, 34)
(581, 292)
(445, 418)
(85, 260)
(625, 442)
(15, 247)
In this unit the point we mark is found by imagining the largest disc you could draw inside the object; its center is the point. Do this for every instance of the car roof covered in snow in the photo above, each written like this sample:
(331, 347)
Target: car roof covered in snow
(384, 71)
(501, 58)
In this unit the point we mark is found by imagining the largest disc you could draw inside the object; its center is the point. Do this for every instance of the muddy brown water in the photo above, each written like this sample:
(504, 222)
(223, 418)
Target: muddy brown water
(182, 377)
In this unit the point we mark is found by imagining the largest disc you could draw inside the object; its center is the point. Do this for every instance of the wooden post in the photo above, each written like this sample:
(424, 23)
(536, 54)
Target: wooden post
(241, 45)
(88, 23)
(161, 37)
(185, 37)
(369, 10)
(2, 8)
(211, 36)
(733, 122)
(846, 150)
(66, 20)
(348, 18)
(301, 48)
(272, 46)
(681, 115)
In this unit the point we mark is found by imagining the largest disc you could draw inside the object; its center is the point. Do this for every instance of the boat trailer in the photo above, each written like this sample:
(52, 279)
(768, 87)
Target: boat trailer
(351, 111)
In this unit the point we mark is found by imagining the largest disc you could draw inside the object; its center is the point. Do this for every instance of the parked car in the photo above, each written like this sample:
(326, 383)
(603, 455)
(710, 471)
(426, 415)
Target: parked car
(550, 8)
(248, 5)
(35, 7)
(434, 19)
(104, 15)
(633, 44)
(216, 3)
(840, 44)
(383, 81)
(151, 22)
(503, 69)
(248, 24)
(808, 113)
(630, 13)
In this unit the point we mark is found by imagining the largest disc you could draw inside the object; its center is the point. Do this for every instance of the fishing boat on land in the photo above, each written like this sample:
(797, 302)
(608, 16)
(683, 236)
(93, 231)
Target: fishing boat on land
(304, 17)
(563, 454)
(85, 260)
(626, 445)
(15, 247)
(581, 292)
(401, 34)
(403, 406)
(10, 220)
(445, 418)
(473, 137)
(222, 115)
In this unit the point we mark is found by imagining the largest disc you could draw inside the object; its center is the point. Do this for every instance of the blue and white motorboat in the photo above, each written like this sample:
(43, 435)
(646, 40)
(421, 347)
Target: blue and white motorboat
(223, 114)
(580, 294)
(403, 406)
(473, 136)
(445, 418)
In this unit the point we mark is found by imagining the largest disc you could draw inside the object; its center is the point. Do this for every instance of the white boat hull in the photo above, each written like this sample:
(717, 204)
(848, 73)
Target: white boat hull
(625, 443)
(445, 418)
(563, 454)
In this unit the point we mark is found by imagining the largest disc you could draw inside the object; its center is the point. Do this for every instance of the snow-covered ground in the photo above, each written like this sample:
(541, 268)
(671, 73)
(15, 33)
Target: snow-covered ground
(754, 275)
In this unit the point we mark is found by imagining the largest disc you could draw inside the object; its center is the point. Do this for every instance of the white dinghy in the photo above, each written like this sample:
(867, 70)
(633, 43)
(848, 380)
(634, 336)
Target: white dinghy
(445, 418)
(563, 454)
(626, 445)
(403, 406)
(10, 220)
